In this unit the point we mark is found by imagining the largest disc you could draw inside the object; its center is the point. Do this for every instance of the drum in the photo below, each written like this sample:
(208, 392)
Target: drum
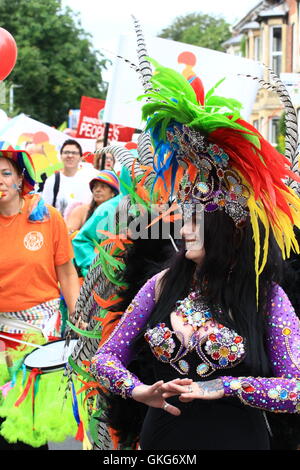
(51, 356)
(43, 404)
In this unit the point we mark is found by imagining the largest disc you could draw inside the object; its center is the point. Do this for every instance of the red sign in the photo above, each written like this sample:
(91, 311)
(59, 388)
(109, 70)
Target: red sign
(91, 126)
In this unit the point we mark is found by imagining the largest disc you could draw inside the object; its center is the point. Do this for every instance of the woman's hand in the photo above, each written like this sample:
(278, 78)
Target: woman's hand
(209, 390)
(152, 395)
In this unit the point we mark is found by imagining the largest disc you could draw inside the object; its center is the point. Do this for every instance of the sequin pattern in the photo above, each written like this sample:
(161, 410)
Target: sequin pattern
(280, 393)
(109, 363)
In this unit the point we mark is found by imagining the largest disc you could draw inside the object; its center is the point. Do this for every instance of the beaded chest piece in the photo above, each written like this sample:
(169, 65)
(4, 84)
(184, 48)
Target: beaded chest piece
(220, 348)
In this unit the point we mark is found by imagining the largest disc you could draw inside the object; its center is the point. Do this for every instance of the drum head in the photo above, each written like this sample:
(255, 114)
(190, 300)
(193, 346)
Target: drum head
(51, 356)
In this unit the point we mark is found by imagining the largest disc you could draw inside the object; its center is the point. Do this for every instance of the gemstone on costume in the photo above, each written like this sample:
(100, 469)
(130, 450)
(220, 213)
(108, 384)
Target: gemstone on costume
(224, 351)
(284, 394)
(183, 365)
(292, 395)
(223, 361)
(216, 355)
(202, 369)
(202, 187)
(238, 339)
(232, 357)
(286, 331)
(235, 384)
(273, 394)
(128, 382)
(163, 359)
(248, 388)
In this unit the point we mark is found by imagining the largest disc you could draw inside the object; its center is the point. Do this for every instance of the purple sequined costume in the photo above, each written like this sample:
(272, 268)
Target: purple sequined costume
(280, 393)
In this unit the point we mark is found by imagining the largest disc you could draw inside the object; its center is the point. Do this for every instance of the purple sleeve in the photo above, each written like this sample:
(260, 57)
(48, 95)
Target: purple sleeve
(282, 392)
(109, 363)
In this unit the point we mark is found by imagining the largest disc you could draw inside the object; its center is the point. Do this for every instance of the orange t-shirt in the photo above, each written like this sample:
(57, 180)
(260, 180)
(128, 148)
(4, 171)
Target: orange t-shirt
(29, 253)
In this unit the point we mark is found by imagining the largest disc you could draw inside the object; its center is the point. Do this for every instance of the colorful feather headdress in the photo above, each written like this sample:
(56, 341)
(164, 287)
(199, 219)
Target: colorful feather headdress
(207, 154)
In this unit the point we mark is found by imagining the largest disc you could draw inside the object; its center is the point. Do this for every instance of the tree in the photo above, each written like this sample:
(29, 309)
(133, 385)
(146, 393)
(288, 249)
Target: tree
(56, 64)
(198, 29)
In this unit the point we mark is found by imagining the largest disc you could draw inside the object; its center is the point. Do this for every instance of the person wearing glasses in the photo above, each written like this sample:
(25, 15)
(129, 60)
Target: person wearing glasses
(71, 184)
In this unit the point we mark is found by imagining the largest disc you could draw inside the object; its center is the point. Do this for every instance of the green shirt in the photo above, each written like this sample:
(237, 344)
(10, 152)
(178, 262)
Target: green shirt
(102, 219)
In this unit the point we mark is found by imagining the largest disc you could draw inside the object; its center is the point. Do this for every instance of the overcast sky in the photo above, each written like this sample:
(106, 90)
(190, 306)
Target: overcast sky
(106, 20)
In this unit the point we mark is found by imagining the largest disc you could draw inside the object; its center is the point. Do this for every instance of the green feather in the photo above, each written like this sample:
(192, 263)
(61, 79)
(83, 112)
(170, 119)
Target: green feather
(88, 334)
(79, 370)
(173, 98)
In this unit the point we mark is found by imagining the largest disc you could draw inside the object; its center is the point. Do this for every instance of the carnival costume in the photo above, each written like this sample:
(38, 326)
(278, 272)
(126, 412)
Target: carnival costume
(34, 405)
(205, 155)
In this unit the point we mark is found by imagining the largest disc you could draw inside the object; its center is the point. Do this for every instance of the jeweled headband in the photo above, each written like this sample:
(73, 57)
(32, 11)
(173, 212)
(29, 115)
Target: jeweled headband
(215, 185)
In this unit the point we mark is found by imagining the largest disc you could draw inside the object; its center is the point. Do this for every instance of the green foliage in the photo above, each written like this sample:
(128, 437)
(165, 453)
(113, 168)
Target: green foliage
(243, 46)
(56, 64)
(281, 135)
(198, 29)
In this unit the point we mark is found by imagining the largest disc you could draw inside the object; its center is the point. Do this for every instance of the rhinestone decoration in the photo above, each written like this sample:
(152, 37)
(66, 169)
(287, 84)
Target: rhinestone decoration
(184, 366)
(225, 346)
(215, 185)
(161, 342)
(202, 369)
(193, 310)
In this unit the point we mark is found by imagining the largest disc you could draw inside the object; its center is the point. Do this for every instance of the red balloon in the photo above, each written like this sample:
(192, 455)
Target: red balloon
(8, 53)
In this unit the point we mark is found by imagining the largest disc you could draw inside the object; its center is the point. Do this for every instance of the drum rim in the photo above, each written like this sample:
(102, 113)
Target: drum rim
(47, 368)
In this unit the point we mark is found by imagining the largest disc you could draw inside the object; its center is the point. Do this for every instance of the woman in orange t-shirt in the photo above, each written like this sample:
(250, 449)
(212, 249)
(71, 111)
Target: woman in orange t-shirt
(36, 253)
(35, 260)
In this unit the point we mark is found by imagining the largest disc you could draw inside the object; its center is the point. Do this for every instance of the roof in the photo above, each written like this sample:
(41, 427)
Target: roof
(279, 10)
(233, 41)
(251, 25)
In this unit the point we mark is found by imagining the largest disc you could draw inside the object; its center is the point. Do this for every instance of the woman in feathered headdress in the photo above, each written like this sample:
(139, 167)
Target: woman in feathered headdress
(218, 318)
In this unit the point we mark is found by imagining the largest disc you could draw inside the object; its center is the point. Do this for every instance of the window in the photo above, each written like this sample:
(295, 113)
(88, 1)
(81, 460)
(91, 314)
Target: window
(256, 124)
(276, 48)
(257, 48)
(274, 130)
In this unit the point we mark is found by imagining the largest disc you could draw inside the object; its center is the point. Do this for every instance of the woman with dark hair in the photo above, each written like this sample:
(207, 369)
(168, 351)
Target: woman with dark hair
(104, 186)
(217, 318)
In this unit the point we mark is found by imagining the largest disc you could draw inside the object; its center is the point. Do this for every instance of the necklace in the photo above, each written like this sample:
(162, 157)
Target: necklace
(194, 310)
(14, 218)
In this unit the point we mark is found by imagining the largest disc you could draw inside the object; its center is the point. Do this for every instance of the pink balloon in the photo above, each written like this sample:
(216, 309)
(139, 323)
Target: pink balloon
(8, 53)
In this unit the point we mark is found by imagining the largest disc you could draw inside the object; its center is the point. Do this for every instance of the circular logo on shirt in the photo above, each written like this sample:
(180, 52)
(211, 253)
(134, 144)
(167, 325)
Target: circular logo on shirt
(33, 241)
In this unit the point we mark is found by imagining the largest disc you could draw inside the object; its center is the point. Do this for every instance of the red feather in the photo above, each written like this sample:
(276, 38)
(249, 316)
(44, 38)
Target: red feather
(264, 168)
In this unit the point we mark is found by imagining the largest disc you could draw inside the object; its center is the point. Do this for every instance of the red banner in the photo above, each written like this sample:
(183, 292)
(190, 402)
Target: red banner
(91, 126)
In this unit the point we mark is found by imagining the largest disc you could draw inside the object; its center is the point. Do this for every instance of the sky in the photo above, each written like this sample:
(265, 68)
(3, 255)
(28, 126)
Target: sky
(106, 20)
